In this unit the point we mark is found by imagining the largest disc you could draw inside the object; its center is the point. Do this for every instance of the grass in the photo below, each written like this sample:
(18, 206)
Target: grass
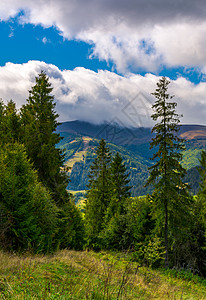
(88, 275)
(77, 192)
(79, 155)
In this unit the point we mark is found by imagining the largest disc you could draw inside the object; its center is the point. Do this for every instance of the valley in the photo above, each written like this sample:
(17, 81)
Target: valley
(81, 138)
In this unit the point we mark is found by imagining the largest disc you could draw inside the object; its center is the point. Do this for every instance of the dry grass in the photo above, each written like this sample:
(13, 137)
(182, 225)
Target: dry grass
(80, 155)
(88, 275)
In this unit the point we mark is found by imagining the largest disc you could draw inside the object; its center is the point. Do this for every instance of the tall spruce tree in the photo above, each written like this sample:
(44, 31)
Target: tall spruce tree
(170, 197)
(98, 195)
(39, 121)
(12, 125)
(115, 232)
(202, 171)
(2, 122)
(28, 215)
(199, 222)
(119, 184)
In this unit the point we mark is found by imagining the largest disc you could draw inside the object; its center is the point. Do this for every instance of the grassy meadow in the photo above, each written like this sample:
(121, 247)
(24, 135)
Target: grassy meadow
(88, 275)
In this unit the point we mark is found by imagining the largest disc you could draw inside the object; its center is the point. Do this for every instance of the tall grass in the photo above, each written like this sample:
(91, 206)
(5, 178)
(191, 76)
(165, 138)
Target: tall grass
(89, 275)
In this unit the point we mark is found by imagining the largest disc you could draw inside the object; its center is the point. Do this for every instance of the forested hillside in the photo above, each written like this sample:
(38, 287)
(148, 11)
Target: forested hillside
(80, 141)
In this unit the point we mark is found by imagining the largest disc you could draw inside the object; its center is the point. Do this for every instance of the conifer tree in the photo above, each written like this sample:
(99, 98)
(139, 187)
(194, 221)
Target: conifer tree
(199, 222)
(12, 125)
(39, 121)
(119, 184)
(170, 195)
(115, 221)
(99, 193)
(202, 171)
(28, 216)
(2, 131)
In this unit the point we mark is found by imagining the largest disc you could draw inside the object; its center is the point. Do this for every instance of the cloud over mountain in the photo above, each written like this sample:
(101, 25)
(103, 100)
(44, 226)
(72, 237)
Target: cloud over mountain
(102, 96)
(133, 34)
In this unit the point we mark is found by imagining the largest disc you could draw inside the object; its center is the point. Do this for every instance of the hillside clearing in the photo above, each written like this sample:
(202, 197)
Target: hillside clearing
(79, 155)
(89, 275)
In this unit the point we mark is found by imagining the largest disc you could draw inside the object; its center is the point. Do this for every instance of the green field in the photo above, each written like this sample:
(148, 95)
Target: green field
(89, 275)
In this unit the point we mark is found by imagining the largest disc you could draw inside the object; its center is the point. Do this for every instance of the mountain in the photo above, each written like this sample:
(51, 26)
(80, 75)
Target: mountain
(81, 138)
(116, 134)
(80, 152)
(111, 132)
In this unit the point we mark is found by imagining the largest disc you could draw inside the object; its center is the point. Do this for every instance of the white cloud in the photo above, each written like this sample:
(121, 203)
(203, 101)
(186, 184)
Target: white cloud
(133, 34)
(102, 96)
(45, 40)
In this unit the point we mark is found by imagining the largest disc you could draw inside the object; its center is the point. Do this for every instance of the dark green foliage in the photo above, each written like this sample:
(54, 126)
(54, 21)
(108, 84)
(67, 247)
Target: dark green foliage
(136, 165)
(99, 193)
(170, 197)
(10, 127)
(35, 204)
(71, 232)
(136, 160)
(115, 217)
(39, 121)
(12, 123)
(79, 175)
(192, 178)
(120, 188)
(202, 171)
(28, 214)
(131, 230)
(1, 118)
(199, 222)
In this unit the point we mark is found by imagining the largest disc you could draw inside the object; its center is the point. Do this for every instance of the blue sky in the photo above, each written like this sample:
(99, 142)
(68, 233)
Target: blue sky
(104, 54)
(22, 43)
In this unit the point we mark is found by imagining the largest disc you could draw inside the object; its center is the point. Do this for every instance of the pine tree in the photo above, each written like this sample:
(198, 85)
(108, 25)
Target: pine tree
(119, 183)
(202, 171)
(28, 216)
(2, 122)
(39, 121)
(99, 193)
(170, 193)
(115, 222)
(12, 123)
(199, 220)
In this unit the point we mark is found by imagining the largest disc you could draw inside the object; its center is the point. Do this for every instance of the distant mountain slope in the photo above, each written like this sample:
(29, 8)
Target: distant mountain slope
(81, 139)
(80, 153)
(111, 132)
(118, 135)
(191, 132)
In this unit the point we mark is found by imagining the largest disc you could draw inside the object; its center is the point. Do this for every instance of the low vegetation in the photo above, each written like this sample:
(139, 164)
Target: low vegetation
(88, 275)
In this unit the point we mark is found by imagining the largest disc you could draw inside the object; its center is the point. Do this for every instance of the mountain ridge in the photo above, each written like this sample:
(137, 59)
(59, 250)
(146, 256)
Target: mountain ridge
(81, 138)
(118, 134)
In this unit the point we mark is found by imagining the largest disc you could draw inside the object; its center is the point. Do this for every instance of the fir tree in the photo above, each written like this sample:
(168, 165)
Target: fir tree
(202, 172)
(99, 193)
(39, 121)
(2, 122)
(12, 125)
(199, 221)
(119, 184)
(115, 223)
(170, 193)
(28, 216)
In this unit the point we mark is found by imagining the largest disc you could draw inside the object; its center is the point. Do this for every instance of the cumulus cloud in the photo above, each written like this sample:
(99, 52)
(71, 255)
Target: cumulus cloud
(96, 97)
(132, 34)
